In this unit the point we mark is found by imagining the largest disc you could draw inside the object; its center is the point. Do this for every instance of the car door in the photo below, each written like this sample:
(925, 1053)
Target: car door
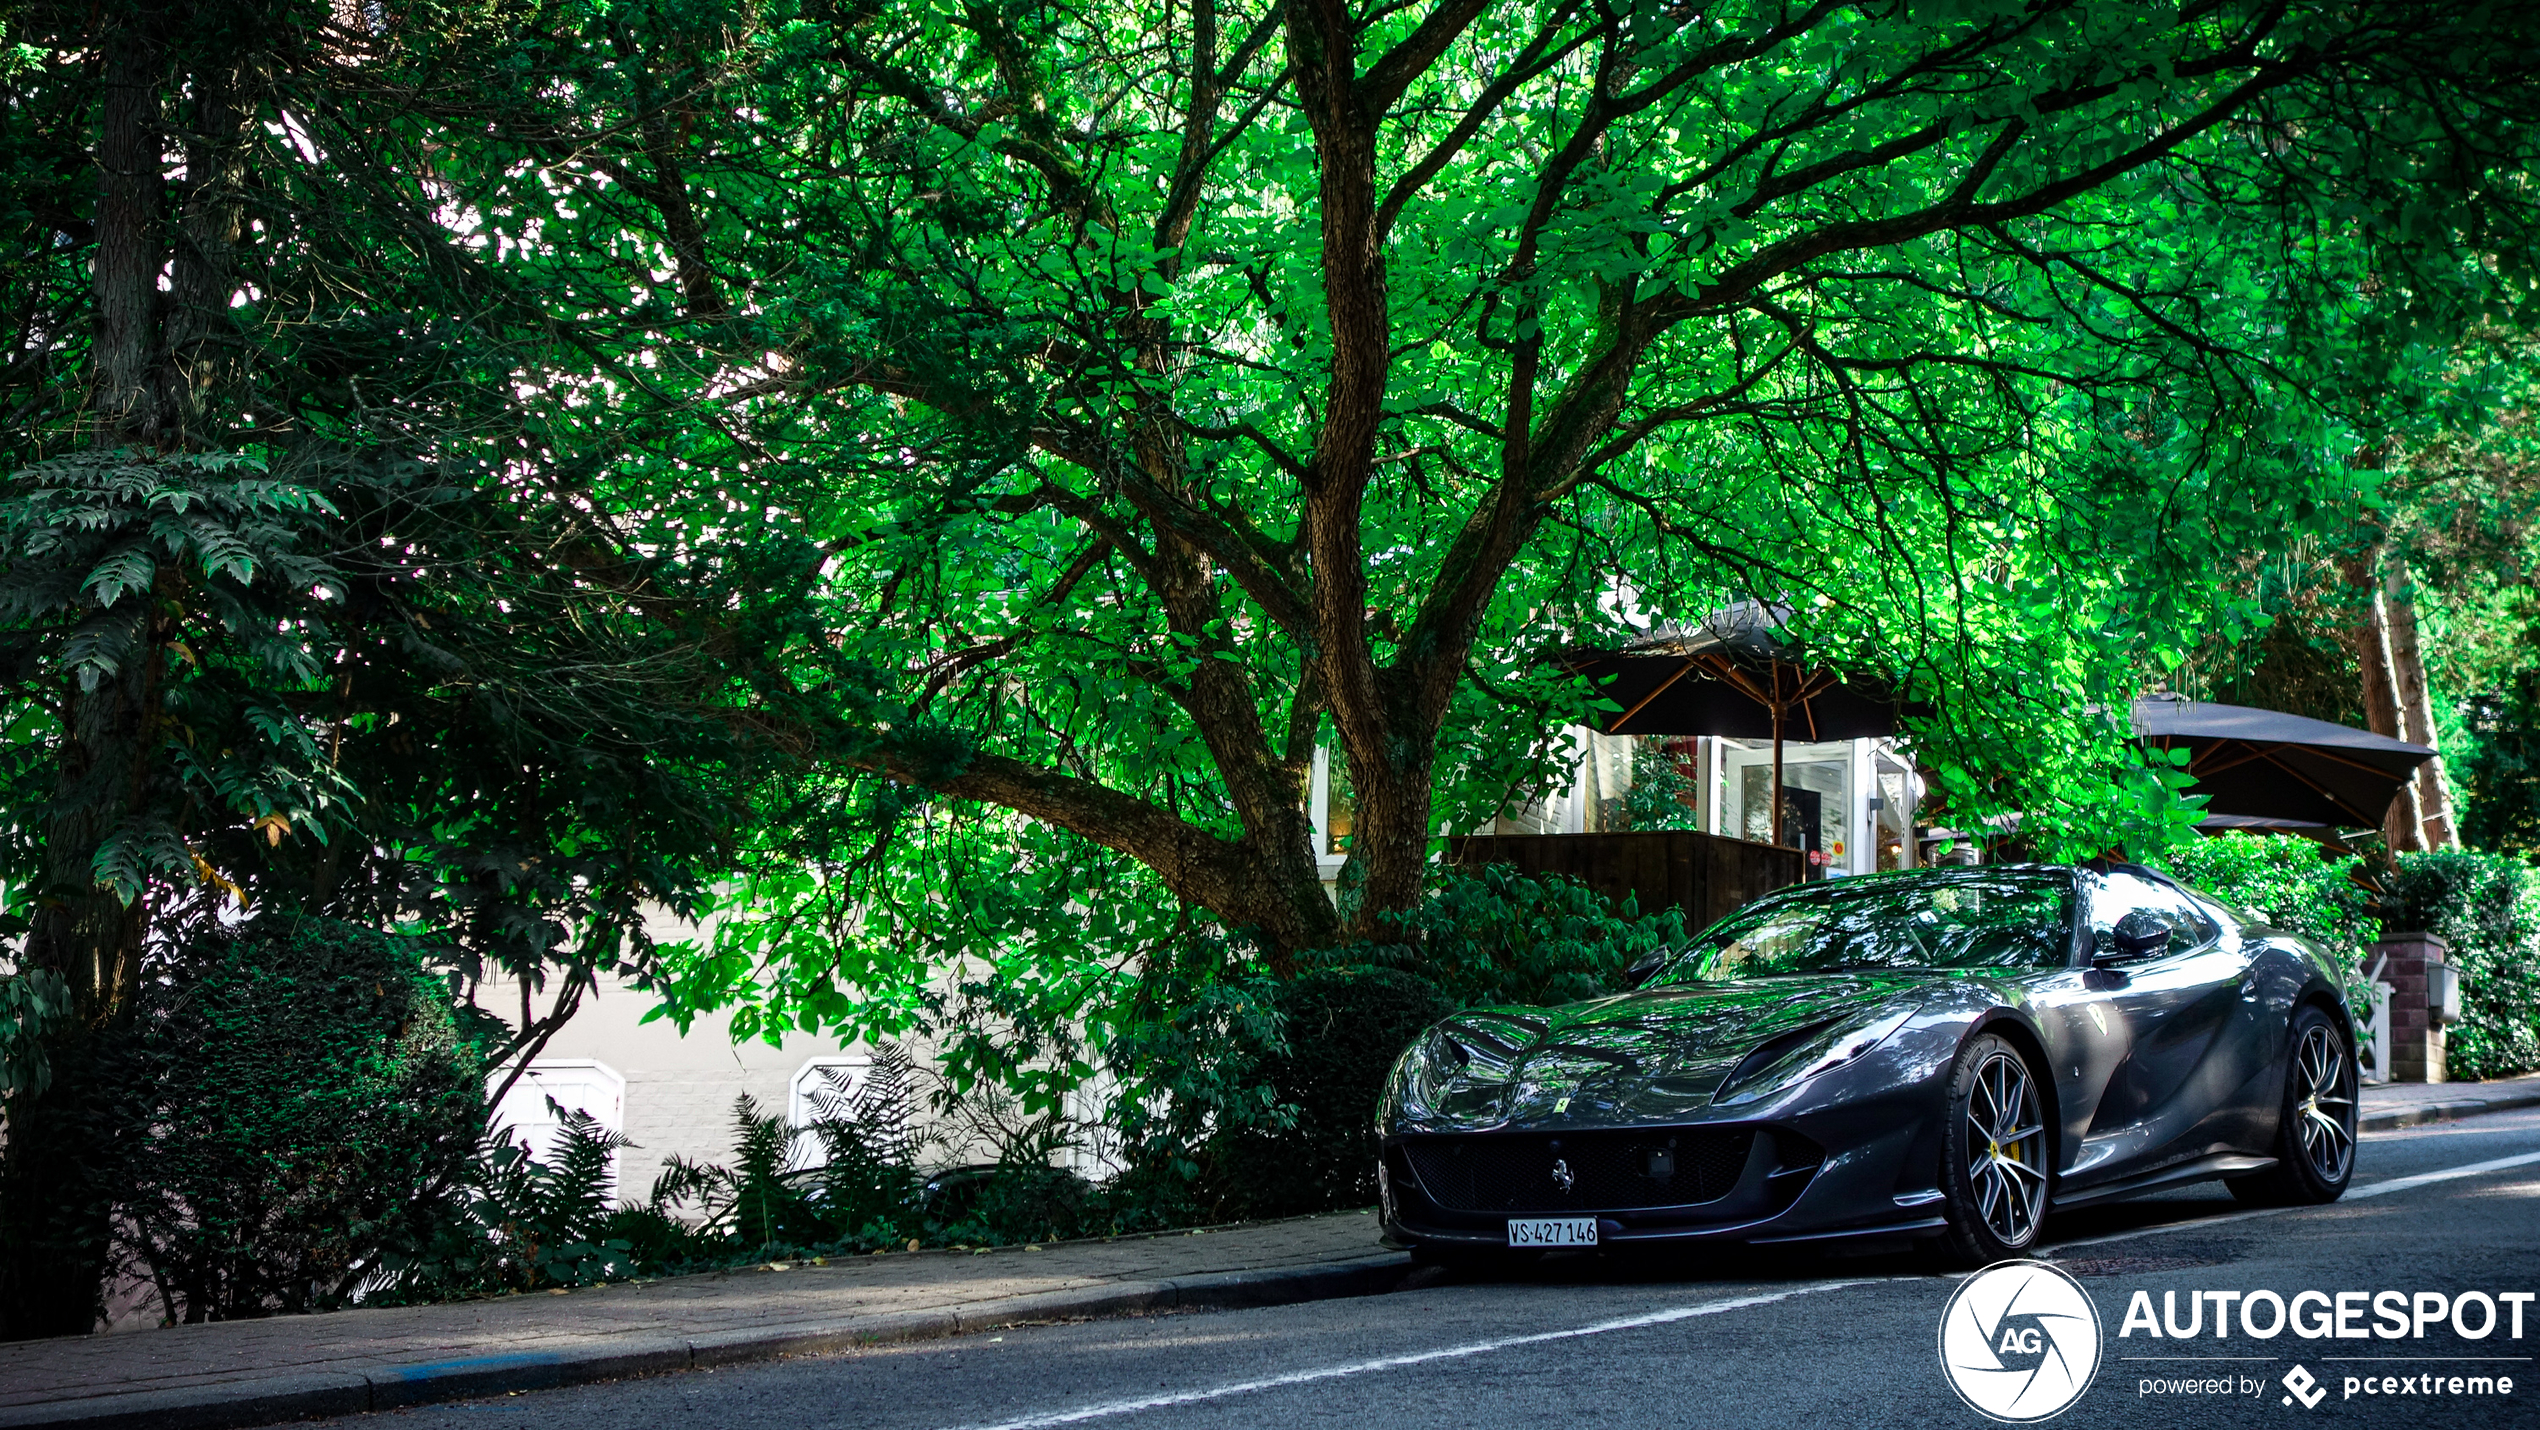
(2179, 1005)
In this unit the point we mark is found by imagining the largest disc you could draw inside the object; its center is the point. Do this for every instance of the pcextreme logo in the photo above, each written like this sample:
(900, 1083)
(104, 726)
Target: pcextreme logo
(2019, 1341)
(2305, 1387)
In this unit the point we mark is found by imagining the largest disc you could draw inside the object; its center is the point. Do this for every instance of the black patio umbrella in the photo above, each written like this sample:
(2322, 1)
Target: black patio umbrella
(2266, 824)
(2277, 769)
(1736, 675)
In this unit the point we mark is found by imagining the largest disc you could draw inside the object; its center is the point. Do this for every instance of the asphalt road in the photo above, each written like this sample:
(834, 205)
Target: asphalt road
(1754, 1340)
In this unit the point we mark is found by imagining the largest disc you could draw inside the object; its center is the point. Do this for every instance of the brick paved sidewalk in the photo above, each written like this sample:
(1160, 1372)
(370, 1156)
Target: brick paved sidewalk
(2392, 1105)
(256, 1372)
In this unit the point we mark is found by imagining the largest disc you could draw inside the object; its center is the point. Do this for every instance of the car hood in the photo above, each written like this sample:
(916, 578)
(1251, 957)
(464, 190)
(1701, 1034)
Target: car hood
(1656, 1055)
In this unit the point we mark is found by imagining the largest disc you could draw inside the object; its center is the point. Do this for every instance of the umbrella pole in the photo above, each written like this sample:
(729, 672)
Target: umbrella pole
(1777, 759)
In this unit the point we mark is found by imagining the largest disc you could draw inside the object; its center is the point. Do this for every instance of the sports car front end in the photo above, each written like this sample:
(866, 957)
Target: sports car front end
(1778, 1109)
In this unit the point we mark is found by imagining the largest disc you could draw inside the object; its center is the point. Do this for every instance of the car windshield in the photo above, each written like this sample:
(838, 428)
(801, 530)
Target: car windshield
(1977, 918)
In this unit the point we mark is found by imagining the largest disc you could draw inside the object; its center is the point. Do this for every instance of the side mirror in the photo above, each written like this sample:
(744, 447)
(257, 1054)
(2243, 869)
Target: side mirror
(2131, 944)
(1647, 967)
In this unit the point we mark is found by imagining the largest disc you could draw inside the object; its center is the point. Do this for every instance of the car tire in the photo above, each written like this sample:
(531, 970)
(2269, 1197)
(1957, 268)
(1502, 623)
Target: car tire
(2315, 1127)
(1994, 1163)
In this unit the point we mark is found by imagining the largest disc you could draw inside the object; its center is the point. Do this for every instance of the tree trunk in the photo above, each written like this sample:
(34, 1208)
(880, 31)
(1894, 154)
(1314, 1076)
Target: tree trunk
(204, 264)
(55, 1200)
(53, 1206)
(82, 930)
(2433, 810)
(131, 247)
(2403, 828)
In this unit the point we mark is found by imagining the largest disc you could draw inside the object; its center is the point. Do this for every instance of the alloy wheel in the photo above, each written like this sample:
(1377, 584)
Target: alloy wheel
(2006, 1148)
(2325, 1096)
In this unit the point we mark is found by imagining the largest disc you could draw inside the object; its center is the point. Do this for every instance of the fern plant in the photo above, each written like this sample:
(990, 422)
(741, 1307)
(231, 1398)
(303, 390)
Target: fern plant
(861, 1188)
(866, 1183)
(525, 1224)
(756, 1202)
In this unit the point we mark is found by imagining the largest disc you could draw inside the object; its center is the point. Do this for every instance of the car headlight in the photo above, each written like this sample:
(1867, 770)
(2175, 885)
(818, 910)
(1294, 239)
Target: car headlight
(1784, 1062)
(1459, 1056)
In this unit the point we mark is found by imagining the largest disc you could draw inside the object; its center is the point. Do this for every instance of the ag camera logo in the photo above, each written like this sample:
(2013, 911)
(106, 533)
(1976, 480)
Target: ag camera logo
(2019, 1342)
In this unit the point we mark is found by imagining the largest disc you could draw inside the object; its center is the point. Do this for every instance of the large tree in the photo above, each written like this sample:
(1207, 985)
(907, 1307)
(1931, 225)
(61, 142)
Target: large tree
(296, 609)
(1151, 395)
(1178, 387)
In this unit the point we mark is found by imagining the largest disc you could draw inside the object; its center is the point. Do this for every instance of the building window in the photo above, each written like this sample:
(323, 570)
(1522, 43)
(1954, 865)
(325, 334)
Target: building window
(1340, 807)
(1816, 798)
(528, 1115)
(823, 1087)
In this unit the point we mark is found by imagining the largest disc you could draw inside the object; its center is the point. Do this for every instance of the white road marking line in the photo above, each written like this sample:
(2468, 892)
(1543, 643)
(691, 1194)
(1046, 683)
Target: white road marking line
(1333, 1372)
(2394, 1184)
(2421, 1179)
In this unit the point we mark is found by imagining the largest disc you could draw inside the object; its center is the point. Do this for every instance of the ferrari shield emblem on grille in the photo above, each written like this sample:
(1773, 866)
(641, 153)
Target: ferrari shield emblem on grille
(1562, 1177)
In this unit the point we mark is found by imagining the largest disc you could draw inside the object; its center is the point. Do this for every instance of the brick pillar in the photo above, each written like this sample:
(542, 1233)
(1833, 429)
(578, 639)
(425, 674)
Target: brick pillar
(2416, 1039)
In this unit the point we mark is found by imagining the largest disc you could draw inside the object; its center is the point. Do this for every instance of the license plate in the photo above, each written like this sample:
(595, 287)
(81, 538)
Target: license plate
(1553, 1231)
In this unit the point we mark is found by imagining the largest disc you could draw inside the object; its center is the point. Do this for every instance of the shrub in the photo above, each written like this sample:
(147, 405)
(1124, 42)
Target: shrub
(861, 1192)
(527, 1225)
(1235, 1095)
(2291, 883)
(1487, 935)
(1661, 796)
(999, 1205)
(1492, 934)
(1183, 1060)
(1344, 1028)
(758, 1201)
(2294, 885)
(297, 1106)
(2486, 907)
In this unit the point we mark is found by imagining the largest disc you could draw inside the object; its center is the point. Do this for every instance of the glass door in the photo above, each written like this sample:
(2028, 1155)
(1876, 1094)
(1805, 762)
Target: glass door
(1816, 799)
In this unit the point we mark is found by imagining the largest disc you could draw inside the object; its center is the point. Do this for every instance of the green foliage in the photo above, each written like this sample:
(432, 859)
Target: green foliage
(2290, 883)
(1194, 1047)
(2486, 907)
(1486, 935)
(846, 1183)
(1345, 1027)
(868, 1144)
(754, 1202)
(1491, 934)
(1034, 962)
(33, 1003)
(2500, 778)
(129, 572)
(525, 1225)
(299, 1108)
(1228, 1091)
(1662, 795)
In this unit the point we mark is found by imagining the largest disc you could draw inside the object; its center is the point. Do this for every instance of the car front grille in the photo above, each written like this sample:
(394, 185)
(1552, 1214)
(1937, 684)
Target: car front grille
(1609, 1170)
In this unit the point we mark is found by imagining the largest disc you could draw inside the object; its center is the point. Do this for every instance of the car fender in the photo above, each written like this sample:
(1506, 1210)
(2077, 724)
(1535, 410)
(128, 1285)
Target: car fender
(1959, 1011)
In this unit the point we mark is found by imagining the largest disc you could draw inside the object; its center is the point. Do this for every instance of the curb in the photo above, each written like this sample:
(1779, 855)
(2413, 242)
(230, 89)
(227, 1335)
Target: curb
(229, 1405)
(2445, 1111)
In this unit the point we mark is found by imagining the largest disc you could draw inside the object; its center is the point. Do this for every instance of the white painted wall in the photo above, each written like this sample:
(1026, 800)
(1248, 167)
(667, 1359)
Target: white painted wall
(679, 1090)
